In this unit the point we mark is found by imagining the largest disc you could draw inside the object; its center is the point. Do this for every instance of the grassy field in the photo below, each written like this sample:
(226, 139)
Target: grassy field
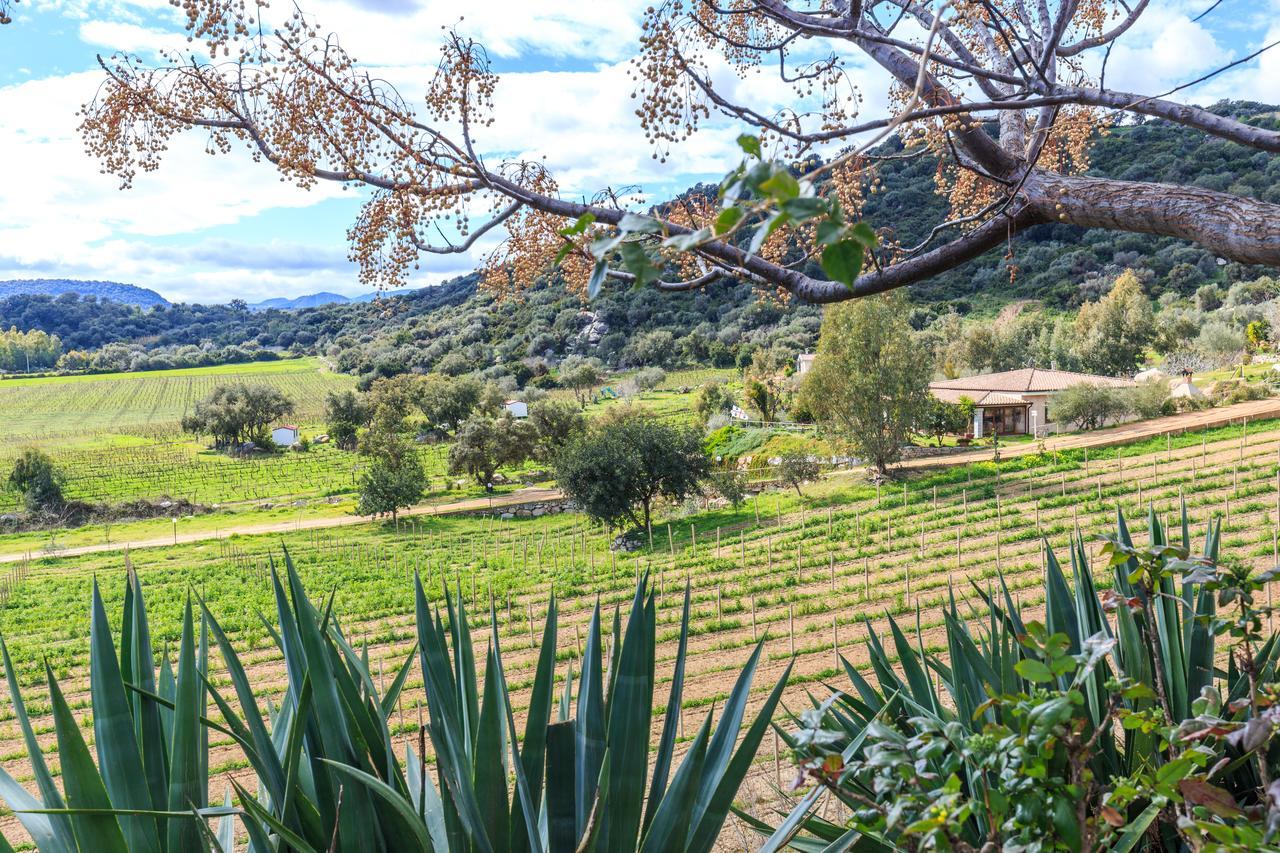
(807, 574)
(116, 436)
(81, 409)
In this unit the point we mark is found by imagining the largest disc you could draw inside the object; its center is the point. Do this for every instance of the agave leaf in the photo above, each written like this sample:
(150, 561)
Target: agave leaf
(426, 799)
(528, 831)
(710, 812)
(534, 747)
(267, 762)
(630, 713)
(670, 720)
(406, 831)
(84, 787)
(589, 751)
(449, 734)
(670, 824)
(254, 810)
(464, 661)
(40, 826)
(227, 826)
(562, 829)
(490, 774)
(60, 836)
(153, 738)
(185, 780)
(786, 830)
(113, 730)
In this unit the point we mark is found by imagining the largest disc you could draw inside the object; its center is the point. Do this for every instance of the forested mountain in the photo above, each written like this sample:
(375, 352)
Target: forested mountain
(454, 328)
(115, 291)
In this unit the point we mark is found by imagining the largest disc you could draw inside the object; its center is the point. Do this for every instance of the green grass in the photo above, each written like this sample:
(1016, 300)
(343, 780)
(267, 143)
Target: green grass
(74, 409)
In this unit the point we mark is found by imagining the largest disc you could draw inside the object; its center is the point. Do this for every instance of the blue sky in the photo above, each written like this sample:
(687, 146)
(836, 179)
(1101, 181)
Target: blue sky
(211, 229)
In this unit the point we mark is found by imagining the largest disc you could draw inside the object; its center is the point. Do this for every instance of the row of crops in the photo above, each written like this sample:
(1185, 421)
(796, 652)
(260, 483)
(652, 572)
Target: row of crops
(184, 470)
(804, 578)
(149, 404)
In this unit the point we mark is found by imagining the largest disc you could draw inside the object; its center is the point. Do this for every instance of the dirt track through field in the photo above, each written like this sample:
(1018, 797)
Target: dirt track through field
(517, 498)
(1122, 434)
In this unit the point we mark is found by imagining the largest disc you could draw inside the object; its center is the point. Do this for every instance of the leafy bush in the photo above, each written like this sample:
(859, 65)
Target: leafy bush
(1150, 399)
(1139, 717)
(328, 774)
(38, 480)
(1089, 406)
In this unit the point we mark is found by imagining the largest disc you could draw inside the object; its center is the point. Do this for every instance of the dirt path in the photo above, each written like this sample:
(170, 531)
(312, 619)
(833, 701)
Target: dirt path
(516, 498)
(1122, 434)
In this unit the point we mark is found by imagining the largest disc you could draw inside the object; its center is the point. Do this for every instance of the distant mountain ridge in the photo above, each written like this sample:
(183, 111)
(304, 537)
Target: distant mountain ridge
(315, 300)
(127, 294)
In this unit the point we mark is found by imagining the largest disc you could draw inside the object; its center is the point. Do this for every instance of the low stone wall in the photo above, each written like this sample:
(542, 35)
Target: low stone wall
(529, 510)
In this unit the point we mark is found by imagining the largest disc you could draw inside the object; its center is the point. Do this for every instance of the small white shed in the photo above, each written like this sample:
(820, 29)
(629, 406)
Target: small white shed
(285, 435)
(517, 408)
(1185, 391)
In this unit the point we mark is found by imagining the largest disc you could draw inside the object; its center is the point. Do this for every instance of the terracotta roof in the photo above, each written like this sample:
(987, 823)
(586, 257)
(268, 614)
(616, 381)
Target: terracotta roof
(1028, 380)
(981, 398)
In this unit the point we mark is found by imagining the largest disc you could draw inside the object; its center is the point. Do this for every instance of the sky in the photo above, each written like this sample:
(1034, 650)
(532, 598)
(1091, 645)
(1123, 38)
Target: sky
(213, 228)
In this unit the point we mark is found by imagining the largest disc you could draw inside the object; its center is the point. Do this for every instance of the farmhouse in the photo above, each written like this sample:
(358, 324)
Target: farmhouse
(516, 408)
(1016, 402)
(285, 435)
(804, 361)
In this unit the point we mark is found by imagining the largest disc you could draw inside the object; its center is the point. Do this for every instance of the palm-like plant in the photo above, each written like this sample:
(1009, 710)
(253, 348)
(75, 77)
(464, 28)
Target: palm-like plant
(329, 776)
(1137, 717)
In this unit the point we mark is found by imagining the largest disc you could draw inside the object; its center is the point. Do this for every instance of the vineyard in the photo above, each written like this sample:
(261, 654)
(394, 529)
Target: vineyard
(184, 470)
(803, 574)
(148, 404)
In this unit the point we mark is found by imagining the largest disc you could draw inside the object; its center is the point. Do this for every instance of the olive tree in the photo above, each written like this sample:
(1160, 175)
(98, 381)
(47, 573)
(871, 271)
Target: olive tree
(616, 471)
(237, 413)
(869, 382)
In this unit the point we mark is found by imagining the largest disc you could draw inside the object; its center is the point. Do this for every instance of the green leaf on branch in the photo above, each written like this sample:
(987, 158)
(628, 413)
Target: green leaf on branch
(750, 144)
(637, 262)
(685, 242)
(843, 261)
(805, 207)
(781, 186)
(635, 224)
(864, 234)
(1033, 670)
(728, 218)
(579, 226)
(773, 223)
(598, 273)
(831, 231)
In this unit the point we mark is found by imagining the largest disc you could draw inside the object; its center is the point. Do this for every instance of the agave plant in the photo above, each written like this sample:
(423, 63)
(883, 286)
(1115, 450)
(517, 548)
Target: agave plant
(328, 773)
(1138, 717)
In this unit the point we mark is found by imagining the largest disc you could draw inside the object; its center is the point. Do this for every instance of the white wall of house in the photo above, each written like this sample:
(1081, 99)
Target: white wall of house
(283, 436)
(517, 408)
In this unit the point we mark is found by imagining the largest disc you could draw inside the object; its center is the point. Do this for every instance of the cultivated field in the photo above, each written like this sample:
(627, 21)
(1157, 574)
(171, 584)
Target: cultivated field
(803, 575)
(147, 404)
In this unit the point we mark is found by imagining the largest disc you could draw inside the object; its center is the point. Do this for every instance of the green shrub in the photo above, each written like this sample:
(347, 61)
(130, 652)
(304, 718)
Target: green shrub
(1139, 717)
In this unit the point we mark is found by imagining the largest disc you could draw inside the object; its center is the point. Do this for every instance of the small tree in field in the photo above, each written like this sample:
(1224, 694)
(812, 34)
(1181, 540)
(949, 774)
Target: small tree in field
(714, 398)
(236, 413)
(38, 480)
(615, 472)
(796, 469)
(1089, 406)
(344, 415)
(869, 382)
(483, 445)
(942, 419)
(582, 376)
(394, 480)
(555, 422)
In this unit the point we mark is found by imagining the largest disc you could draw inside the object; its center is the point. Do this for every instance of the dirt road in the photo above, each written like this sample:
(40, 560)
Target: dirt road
(516, 498)
(1123, 434)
